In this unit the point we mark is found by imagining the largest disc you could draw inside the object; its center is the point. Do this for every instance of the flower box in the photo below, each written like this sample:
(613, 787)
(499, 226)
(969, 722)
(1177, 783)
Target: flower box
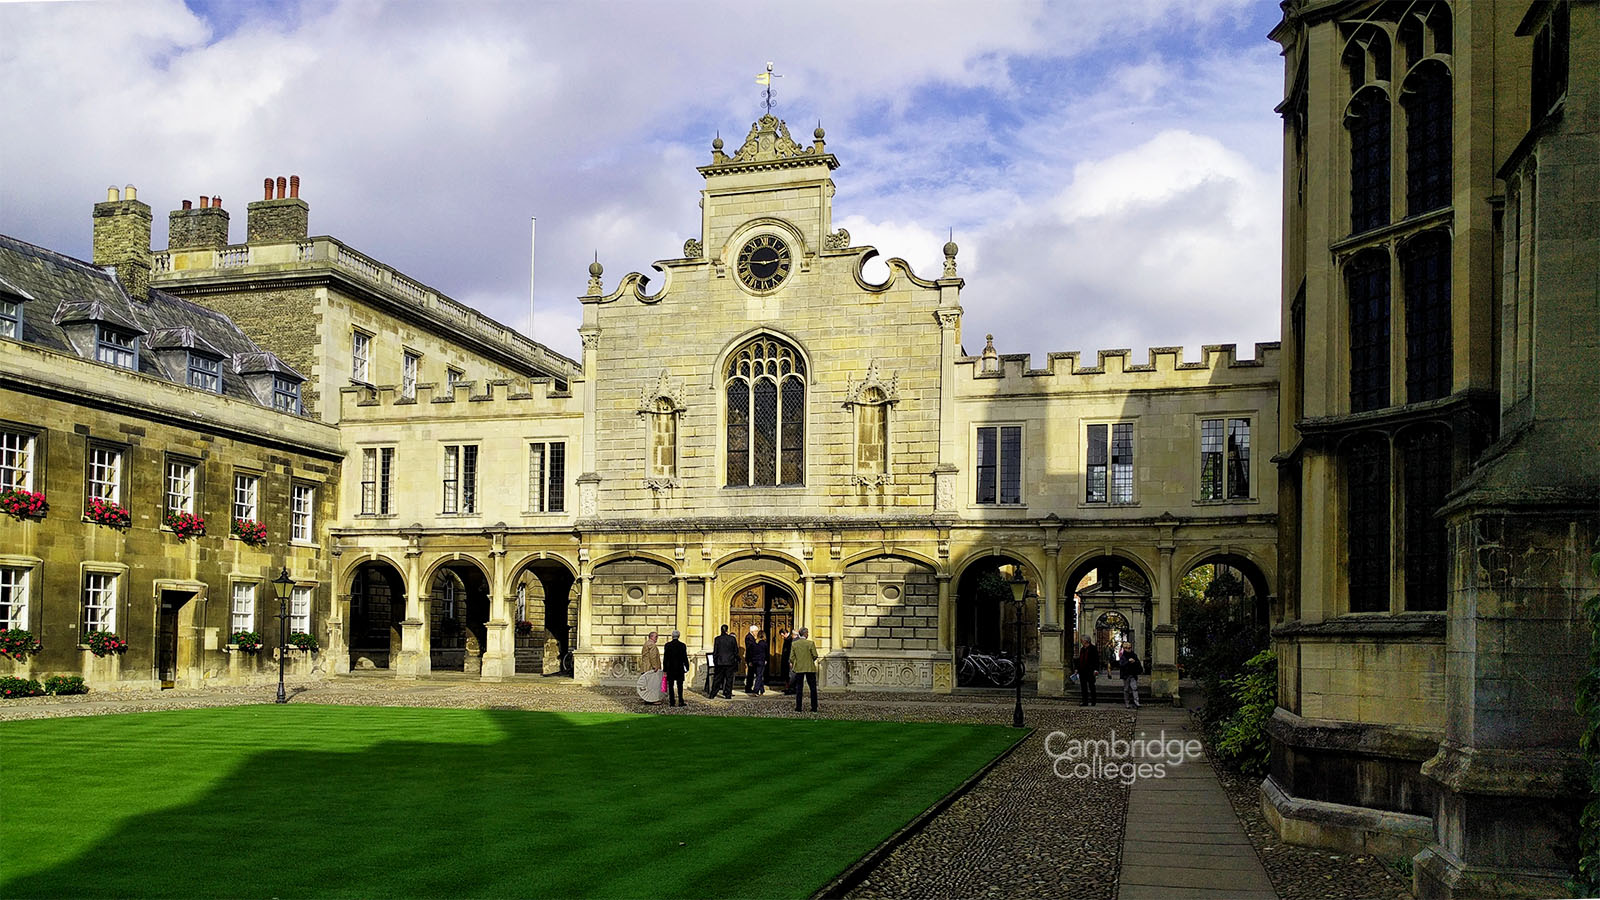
(252, 533)
(299, 640)
(248, 641)
(107, 512)
(18, 644)
(184, 524)
(23, 504)
(104, 643)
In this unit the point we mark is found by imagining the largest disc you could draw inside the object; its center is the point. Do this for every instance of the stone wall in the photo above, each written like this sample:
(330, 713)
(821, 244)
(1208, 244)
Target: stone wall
(630, 599)
(891, 604)
(284, 219)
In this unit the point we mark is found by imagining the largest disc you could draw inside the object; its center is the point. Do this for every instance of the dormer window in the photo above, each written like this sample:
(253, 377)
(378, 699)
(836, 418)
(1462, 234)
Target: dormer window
(205, 374)
(286, 395)
(116, 347)
(10, 319)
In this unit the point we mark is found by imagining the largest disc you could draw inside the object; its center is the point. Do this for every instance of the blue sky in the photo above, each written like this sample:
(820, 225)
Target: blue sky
(1111, 170)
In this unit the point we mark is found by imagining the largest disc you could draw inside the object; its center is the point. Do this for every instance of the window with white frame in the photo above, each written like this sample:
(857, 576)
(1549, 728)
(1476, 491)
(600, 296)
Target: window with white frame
(244, 607)
(547, 476)
(13, 597)
(360, 346)
(998, 465)
(408, 375)
(105, 474)
(116, 347)
(453, 376)
(205, 374)
(461, 478)
(99, 601)
(16, 460)
(286, 395)
(302, 501)
(180, 486)
(377, 474)
(522, 602)
(300, 610)
(1224, 459)
(10, 319)
(1108, 476)
(246, 492)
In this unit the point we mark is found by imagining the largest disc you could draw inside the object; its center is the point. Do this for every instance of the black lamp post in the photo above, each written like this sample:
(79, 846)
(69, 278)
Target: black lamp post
(1019, 585)
(281, 586)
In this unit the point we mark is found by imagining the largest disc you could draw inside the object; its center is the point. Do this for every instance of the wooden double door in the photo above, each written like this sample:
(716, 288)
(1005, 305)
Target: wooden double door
(769, 608)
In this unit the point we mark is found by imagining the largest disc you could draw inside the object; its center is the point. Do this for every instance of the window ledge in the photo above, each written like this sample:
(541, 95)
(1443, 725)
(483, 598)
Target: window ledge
(546, 514)
(1231, 501)
(377, 516)
(309, 545)
(764, 487)
(1098, 504)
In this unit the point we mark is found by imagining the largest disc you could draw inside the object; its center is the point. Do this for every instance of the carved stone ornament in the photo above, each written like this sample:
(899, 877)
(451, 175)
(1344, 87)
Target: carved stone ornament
(873, 379)
(662, 389)
(871, 480)
(949, 320)
(769, 140)
(692, 249)
(660, 484)
(891, 673)
(944, 491)
(839, 240)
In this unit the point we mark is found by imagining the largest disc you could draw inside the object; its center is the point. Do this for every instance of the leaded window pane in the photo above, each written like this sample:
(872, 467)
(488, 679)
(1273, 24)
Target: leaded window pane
(1211, 459)
(536, 467)
(1426, 456)
(794, 431)
(1367, 283)
(1368, 123)
(469, 478)
(556, 488)
(369, 481)
(385, 479)
(1011, 464)
(764, 432)
(738, 432)
(1238, 457)
(1426, 264)
(452, 462)
(986, 467)
(1427, 104)
(1095, 478)
(1122, 462)
(1367, 494)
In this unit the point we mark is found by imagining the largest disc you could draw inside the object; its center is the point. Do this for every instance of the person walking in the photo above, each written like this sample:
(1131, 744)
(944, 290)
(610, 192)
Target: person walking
(788, 670)
(725, 657)
(676, 666)
(749, 658)
(803, 660)
(1088, 667)
(1131, 668)
(650, 655)
(651, 684)
(759, 662)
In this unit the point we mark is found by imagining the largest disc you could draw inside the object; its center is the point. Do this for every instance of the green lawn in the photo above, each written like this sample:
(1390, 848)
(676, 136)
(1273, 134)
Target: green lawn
(294, 801)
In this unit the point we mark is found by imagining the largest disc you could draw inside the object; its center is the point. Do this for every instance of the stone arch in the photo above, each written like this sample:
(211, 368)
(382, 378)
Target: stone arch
(377, 590)
(1072, 571)
(1029, 565)
(548, 611)
(348, 576)
(896, 552)
(1262, 572)
(630, 595)
(986, 618)
(1132, 598)
(891, 602)
(630, 555)
(431, 569)
(744, 337)
(726, 561)
(455, 615)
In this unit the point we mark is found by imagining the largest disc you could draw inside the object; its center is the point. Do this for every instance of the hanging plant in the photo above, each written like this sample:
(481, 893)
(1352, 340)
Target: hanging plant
(105, 643)
(252, 533)
(248, 641)
(302, 641)
(23, 504)
(185, 525)
(107, 512)
(18, 644)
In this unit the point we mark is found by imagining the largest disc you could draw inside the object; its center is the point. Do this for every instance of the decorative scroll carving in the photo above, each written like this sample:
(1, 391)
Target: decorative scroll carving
(660, 484)
(839, 240)
(835, 671)
(872, 480)
(692, 249)
(891, 673)
(604, 668)
(944, 491)
(769, 140)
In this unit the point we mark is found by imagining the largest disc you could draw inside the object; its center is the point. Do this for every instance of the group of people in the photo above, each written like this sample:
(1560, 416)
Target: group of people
(797, 665)
(1089, 663)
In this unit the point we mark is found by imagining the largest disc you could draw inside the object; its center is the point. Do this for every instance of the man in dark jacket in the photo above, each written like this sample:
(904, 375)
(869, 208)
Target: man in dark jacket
(676, 664)
(788, 648)
(725, 656)
(750, 659)
(1088, 666)
(1131, 669)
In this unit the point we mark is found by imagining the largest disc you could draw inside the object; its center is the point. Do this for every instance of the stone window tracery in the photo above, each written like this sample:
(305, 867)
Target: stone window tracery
(1367, 291)
(765, 389)
(661, 406)
(871, 399)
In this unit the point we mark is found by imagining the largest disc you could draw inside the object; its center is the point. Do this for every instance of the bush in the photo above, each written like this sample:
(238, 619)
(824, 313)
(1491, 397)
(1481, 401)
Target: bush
(302, 641)
(248, 641)
(61, 685)
(1241, 738)
(11, 687)
(18, 644)
(1216, 638)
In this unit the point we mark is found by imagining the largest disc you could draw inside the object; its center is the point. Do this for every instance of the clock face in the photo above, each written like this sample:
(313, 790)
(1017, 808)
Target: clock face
(764, 263)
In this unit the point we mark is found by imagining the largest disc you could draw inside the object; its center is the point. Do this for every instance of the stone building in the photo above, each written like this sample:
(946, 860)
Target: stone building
(1438, 482)
(125, 408)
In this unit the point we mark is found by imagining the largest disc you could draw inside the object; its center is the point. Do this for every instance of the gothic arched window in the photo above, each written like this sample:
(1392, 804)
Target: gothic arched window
(1427, 104)
(1425, 262)
(1366, 508)
(1367, 289)
(1368, 124)
(766, 393)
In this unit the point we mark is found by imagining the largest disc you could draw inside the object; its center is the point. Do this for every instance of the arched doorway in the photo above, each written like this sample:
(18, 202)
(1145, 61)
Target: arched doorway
(987, 623)
(1113, 599)
(1220, 610)
(766, 605)
(546, 615)
(377, 605)
(458, 611)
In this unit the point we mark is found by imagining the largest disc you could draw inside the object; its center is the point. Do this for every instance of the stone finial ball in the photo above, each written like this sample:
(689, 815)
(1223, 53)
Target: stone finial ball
(595, 269)
(950, 248)
(819, 134)
(716, 143)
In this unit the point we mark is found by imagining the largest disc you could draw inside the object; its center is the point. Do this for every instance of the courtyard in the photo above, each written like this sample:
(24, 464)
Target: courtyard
(363, 786)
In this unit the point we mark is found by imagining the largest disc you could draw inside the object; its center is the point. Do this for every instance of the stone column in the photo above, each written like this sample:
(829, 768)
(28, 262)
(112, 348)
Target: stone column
(413, 659)
(944, 668)
(500, 645)
(338, 645)
(807, 620)
(1052, 671)
(709, 620)
(1164, 668)
(681, 622)
(585, 613)
(837, 612)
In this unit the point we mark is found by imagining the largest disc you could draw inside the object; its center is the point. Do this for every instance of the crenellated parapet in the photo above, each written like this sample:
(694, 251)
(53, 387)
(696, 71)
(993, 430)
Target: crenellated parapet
(497, 398)
(992, 372)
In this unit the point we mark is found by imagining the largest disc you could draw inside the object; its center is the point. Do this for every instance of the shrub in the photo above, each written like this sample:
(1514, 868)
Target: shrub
(11, 687)
(302, 641)
(248, 641)
(252, 533)
(106, 512)
(61, 685)
(23, 504)
(105, 643)
(1587, 881)
(184, 525)
(18, 644)
(1241, 738)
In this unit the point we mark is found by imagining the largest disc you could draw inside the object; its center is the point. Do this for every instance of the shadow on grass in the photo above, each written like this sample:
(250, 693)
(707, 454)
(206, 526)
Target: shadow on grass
(552, 805)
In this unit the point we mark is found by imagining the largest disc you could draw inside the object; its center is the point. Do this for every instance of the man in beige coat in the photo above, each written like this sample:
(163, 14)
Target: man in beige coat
(803, 662)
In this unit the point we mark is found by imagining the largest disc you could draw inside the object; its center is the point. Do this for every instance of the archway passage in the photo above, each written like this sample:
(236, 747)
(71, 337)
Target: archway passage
(1113, 600)
(546, 616)
(377, 605)
(767, 606)
(992, 633)
(1220, 610)
(457, 615)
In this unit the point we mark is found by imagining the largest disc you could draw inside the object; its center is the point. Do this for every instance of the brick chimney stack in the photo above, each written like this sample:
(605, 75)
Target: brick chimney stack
(122, 239)
(280, 215)
(205, 228)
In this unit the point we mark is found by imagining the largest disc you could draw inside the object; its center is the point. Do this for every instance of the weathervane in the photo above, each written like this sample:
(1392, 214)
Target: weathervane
(765, 78)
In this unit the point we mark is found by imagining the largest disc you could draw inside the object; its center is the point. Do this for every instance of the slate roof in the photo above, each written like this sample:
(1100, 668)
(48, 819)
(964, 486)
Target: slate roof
(57, 289)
